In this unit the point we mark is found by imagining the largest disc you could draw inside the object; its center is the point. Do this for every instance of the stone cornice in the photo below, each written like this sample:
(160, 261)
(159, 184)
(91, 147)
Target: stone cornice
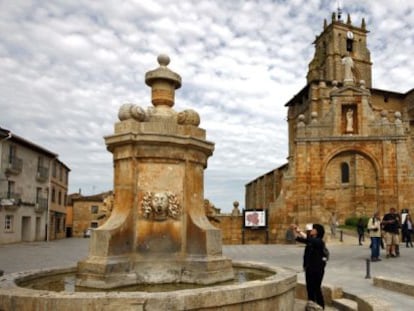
(351, 139)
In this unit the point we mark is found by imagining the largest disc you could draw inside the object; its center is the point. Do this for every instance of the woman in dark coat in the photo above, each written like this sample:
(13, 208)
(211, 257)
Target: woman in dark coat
(407, 230)
(313, 261)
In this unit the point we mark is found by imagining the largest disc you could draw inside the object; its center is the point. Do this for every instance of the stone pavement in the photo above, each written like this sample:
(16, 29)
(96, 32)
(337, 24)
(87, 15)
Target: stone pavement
(346, 267)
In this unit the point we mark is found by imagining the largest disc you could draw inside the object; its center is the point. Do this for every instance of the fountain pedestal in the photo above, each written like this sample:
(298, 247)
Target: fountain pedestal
(158, 231)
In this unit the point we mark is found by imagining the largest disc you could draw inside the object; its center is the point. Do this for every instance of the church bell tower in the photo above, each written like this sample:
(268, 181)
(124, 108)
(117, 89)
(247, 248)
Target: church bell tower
(338, 40)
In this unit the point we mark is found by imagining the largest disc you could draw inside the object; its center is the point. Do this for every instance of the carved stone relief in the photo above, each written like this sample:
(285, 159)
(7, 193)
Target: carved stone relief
(160, 206)
(349, 119)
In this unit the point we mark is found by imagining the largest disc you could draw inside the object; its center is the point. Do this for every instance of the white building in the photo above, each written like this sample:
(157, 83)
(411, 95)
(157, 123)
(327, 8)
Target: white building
(25, 180)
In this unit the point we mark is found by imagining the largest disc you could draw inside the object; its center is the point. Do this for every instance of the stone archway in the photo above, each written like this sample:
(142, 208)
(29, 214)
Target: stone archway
(350, 185)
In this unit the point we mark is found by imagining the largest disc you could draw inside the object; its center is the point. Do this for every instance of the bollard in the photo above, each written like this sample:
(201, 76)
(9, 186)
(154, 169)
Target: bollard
(368, 276)
(341, 236)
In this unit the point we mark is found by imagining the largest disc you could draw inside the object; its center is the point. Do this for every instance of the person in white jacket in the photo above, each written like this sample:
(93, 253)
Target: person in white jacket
(374, 229)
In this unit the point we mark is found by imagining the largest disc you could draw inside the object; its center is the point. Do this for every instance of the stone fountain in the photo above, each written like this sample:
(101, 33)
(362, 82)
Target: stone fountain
(158, 232)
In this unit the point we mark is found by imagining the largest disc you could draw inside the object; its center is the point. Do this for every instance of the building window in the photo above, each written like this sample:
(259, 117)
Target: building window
(94, 209)
(8, 223)
(12, 153)
(349, 45)
(53, 195)
(38, 194)
(40, 163)
(54, 169)
(344, 173)
(58, 224)
(60, 198)
(10, 189)
(94, 224)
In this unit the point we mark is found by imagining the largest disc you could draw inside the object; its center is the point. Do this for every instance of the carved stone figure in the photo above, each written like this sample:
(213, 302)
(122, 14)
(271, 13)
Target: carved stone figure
(211, 211)
(349, 121)
(108, 203)
(160, 206)
(348, 66)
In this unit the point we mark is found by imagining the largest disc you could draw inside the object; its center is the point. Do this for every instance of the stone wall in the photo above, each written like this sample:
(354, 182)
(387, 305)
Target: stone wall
(232, 231)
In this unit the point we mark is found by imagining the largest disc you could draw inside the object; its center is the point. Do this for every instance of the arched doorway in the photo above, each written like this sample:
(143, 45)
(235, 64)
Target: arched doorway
(351, 185)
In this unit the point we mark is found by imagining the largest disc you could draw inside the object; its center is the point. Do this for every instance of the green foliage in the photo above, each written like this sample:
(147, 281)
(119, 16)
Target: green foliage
(353, 221)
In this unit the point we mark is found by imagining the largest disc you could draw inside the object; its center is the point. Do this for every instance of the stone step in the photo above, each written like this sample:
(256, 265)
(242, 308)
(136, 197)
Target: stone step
(301, 304)
(344, 304)
(397, 285)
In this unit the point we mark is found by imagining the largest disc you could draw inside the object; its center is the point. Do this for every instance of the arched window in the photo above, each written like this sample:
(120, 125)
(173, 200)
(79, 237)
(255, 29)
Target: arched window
(349, 45)
(344, 172)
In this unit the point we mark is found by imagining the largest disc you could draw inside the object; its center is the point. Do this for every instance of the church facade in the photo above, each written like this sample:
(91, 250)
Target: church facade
(351, 146)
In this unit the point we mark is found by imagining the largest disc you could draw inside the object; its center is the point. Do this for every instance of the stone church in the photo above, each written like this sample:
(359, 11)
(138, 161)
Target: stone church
(351, 146)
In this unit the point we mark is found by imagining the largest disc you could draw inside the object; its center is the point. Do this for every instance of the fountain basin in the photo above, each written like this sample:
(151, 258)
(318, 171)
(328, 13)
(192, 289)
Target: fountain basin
(274, 292)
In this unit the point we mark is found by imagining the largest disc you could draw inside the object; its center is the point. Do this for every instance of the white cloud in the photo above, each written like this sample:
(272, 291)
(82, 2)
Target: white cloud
(68, 66)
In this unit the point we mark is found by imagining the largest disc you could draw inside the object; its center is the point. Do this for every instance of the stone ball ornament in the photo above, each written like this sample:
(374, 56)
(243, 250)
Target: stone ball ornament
(188, 117)
(124, 112)
(138, 113)
(131, 111)
(163, 59)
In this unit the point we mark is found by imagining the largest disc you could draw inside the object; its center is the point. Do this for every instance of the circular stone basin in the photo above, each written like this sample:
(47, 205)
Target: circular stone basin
(65, 282)
(256, 287)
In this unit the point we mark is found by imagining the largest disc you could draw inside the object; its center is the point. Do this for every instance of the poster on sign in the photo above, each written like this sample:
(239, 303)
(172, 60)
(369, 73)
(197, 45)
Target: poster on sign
(255, 218)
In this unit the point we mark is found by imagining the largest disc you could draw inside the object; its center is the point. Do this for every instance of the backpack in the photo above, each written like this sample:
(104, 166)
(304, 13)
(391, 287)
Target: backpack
(325, 253)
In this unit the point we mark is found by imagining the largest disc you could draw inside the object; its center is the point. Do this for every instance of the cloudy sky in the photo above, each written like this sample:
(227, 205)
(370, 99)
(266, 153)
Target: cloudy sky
(67, 66)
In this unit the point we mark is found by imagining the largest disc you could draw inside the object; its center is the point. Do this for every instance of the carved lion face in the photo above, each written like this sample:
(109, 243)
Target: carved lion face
(160, 202)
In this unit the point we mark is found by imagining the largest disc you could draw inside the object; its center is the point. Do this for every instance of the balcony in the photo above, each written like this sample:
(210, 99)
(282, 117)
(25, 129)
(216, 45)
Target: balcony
(14, 166)
(41, 205)
(42, 174)
(10, 201)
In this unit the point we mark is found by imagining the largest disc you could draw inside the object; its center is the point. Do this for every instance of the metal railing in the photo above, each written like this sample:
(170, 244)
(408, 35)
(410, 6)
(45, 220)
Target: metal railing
(42, 202)
(10, 200)
(10, 195)
(42, 174)
(15, 165)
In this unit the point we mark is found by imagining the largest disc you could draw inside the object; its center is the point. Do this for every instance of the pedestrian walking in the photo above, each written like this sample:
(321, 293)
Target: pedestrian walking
(391, 226)
(407, 231)
(374, 229)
